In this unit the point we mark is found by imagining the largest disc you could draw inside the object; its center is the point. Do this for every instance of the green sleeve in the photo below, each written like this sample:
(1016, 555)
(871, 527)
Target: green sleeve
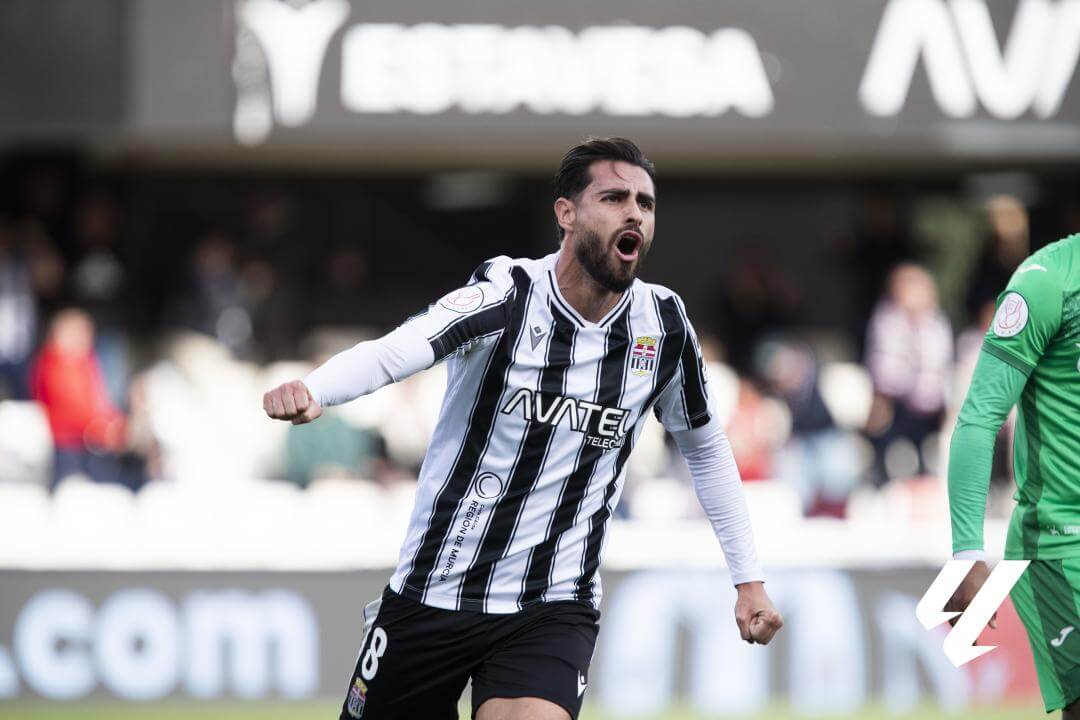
(995, 388)
(1028, 314)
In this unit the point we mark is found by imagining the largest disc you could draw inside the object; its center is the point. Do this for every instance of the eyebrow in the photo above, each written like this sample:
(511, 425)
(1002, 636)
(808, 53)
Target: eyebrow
(623, 192)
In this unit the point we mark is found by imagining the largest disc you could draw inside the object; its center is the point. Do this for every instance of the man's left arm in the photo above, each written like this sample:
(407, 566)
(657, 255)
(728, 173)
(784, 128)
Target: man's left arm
(687, 412)
(719, 490)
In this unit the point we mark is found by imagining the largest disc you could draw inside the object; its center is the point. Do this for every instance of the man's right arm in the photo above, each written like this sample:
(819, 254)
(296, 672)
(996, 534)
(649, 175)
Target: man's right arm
(456, 322)
(995, 388)
(1027, 316)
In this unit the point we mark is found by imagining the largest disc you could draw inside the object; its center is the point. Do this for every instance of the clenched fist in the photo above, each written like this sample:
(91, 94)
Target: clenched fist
(755, 615)
(291, 401)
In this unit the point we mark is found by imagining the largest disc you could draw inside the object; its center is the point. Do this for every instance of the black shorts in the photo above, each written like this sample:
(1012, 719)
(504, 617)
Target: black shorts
(415, 660)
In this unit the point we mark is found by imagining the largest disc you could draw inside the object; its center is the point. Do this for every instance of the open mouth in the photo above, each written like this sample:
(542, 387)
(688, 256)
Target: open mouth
(627, 245)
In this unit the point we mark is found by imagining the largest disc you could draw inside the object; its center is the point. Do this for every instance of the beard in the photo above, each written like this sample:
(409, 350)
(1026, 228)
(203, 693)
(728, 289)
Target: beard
(593, 254)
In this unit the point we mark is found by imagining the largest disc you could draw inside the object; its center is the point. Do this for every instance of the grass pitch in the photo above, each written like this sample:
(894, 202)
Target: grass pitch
(327, 710)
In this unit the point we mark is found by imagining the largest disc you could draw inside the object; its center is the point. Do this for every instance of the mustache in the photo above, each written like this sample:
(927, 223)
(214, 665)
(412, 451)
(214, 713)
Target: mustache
(636, 229)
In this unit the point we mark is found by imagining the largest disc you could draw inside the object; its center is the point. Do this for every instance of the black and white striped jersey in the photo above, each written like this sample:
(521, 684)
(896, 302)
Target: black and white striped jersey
(541, 412)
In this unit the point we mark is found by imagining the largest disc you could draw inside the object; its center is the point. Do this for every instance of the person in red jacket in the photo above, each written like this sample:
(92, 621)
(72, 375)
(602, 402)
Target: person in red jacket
(88, 431)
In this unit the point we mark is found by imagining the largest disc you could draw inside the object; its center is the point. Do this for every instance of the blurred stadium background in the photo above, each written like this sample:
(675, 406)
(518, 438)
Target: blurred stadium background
(200, 199)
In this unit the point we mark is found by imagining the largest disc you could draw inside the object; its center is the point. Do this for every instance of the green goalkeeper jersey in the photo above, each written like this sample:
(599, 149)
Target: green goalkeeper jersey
(1036, 329)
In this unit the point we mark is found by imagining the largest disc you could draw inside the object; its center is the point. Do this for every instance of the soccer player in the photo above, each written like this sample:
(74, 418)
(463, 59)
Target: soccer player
(1031, 355)
(553, 364)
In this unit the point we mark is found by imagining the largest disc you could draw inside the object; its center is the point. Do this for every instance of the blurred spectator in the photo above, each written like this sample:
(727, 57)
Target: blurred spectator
(144, 460)
(30, 269)
(909, 352)
(216, 303)
(756, 297)
(279, 261)
(342, 298)
(878, 243)
(759, 425)
(273, 306)
(723, 381)
(819, 459)
(45, 193)
(18, 317)
(99, 284)
(1007, 244)
(332, 448)
(1070, 217)
(949, 233)
(408, 428)
(88, 431)
(969, 344)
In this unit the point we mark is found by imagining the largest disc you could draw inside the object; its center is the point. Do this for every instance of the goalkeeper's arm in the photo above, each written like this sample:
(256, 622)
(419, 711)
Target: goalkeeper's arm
(995, 388)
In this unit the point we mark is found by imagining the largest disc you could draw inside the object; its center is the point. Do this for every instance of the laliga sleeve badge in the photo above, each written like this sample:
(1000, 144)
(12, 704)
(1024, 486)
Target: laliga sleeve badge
(463, 300)
(1011, 316)
(357, 698)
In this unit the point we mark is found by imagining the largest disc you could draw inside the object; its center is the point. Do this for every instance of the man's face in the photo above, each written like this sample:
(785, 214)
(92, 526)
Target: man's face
(613, 223)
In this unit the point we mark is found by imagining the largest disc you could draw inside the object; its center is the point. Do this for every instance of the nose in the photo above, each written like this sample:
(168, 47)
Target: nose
(634, 215)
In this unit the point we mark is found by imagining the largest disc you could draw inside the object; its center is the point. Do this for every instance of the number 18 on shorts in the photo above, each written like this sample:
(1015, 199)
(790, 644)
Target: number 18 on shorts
(415, 660)
(369, 665)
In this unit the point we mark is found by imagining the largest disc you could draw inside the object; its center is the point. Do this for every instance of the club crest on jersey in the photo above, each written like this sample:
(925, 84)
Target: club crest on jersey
(643, 356)
(357, 698)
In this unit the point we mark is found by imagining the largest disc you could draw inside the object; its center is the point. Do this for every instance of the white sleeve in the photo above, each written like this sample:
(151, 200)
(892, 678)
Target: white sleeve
(459, 321)
(367, 366)
(719, 490)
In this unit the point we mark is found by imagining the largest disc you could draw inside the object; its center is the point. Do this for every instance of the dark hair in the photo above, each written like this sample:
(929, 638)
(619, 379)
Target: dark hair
(573, 175)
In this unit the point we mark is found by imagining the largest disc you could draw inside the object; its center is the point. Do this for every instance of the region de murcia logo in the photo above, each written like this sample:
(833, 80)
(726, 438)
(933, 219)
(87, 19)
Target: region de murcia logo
(643, 356)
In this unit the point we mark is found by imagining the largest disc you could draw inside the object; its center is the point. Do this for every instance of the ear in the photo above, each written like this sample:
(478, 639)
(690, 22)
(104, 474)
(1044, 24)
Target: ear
(565, 213)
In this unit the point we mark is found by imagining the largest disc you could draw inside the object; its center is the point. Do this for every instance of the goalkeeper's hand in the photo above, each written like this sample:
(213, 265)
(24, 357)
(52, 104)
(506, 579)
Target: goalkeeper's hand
(755, 615)
(967, 591)
(291, 401)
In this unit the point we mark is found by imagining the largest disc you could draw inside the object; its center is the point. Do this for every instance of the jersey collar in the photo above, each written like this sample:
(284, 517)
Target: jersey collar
(566, 307)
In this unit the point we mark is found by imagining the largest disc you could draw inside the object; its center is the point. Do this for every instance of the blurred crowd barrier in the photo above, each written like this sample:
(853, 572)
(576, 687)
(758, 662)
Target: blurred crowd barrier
(668, 638)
